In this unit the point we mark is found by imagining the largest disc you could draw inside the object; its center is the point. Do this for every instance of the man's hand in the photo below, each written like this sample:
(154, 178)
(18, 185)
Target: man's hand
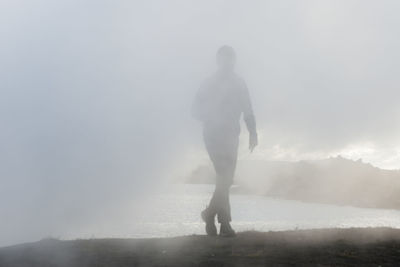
(253, 141)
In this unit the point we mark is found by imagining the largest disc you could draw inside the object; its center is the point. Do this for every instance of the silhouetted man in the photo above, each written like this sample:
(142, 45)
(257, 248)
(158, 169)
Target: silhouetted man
(219, 104)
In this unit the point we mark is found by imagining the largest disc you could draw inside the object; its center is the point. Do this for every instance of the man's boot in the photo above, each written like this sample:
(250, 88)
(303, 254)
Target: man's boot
(209, 218)
(226, 230)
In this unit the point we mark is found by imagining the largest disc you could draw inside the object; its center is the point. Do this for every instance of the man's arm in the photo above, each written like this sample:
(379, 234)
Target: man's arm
(249, 119)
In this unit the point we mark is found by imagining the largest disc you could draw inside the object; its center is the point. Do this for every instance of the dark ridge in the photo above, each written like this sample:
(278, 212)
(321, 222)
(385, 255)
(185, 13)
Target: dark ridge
(325, 247)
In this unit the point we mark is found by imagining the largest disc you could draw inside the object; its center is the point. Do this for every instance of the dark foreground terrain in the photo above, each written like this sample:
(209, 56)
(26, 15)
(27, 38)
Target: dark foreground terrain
(328, 247)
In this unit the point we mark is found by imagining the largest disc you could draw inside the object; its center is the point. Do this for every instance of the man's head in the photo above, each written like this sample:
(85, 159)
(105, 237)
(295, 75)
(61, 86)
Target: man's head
(226, 58)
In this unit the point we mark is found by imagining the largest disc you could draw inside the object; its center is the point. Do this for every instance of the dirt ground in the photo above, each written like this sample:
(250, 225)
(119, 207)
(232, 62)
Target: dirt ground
(325, 247)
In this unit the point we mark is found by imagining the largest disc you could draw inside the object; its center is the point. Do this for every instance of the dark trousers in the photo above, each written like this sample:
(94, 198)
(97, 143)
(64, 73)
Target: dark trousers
(222, 149)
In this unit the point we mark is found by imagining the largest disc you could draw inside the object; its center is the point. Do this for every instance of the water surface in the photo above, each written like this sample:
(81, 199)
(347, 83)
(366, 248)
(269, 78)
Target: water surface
(175, 211)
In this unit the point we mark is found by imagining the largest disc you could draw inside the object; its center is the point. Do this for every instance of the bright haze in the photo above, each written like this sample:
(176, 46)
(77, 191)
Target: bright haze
(96, 95)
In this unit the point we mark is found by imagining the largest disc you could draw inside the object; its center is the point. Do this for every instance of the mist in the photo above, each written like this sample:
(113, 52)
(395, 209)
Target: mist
(96, 95)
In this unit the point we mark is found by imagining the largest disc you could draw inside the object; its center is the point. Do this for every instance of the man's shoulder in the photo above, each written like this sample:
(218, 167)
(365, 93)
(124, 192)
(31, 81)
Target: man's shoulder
(211, 79)
(215, 79)
(239, 83)
(239, 80)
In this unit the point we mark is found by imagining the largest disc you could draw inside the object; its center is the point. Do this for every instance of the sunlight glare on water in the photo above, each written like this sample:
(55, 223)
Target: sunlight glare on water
(175, 212)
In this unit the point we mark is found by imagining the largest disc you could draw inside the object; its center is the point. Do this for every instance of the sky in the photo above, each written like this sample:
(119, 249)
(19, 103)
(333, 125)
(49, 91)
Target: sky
(96, 95)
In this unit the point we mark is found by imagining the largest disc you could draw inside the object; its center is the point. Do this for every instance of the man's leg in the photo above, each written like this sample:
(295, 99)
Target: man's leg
(225, 164)
(223, 154)
(219, 203)
(208, 215)
(222, 188)
(220, 200)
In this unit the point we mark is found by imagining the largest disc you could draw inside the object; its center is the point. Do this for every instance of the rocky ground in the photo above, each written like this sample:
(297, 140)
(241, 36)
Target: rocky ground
(326, 247)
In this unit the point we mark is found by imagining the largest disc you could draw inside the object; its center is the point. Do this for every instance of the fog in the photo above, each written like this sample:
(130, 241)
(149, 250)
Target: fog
(96, 95)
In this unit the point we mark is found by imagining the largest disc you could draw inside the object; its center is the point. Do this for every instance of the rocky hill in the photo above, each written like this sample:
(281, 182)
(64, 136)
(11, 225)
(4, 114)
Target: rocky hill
(334, 180)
